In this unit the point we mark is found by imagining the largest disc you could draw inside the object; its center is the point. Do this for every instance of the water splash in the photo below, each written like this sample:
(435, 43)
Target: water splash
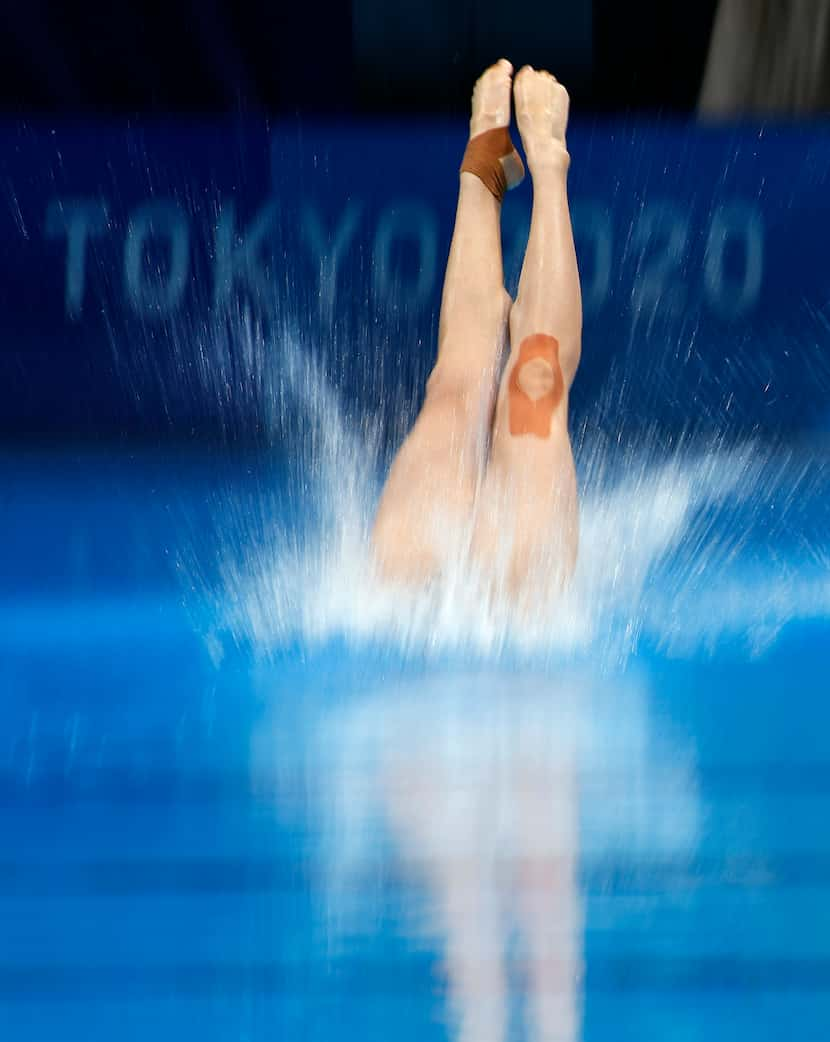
(679, 547)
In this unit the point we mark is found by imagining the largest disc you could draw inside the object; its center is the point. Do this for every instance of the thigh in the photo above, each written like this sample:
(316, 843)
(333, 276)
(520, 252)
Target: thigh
(426, 506)
(527, 518)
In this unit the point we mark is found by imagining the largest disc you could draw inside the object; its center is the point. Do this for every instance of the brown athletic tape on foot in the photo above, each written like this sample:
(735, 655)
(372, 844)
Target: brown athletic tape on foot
(535, 386)
(493, 159)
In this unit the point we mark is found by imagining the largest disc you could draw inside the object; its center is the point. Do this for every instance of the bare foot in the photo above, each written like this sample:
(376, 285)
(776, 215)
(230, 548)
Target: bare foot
(491, 111)
(491, 98)
(542, 114)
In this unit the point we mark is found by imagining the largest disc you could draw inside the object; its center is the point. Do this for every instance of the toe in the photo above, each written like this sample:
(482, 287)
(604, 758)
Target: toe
(523, 79)
(491, 98)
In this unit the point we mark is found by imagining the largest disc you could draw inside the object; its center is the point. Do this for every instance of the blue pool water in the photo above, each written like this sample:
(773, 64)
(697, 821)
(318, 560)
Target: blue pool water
(197, 834)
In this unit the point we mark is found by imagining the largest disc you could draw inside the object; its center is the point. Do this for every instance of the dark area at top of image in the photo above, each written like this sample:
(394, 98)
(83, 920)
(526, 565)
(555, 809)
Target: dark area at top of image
(349, 58)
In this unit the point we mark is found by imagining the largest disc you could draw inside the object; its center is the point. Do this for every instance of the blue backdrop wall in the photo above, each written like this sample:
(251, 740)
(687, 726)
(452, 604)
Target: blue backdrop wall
(127, 252)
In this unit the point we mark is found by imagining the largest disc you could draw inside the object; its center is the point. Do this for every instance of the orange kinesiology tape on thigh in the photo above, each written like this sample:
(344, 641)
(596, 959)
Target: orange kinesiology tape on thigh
(493, 158)
(535, 386)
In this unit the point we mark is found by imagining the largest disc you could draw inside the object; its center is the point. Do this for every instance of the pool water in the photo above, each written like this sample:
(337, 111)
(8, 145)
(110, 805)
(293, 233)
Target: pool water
(223, 828)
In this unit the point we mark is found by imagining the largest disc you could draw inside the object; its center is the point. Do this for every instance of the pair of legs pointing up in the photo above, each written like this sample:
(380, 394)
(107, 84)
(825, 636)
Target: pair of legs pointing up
(490, 452)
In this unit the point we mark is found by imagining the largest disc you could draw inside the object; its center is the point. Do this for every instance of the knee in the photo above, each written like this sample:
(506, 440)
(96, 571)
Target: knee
(570, 352)
(450, 383)
(568, 339)
(479, 312)
(535, 386)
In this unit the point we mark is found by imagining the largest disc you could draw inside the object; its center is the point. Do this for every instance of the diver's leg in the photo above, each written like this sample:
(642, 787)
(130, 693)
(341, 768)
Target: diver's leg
(528, 518)
(438, 466)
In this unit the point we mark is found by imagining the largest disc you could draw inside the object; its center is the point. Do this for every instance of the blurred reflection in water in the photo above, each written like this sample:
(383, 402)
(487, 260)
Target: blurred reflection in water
(484, 793)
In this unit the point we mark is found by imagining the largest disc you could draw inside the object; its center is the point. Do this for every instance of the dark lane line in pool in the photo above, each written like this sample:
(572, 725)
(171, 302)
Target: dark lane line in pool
(217, 876)
(382, 977)
(113, 785)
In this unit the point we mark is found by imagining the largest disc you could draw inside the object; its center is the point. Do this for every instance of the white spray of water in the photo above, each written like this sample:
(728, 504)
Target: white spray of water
(680, 551)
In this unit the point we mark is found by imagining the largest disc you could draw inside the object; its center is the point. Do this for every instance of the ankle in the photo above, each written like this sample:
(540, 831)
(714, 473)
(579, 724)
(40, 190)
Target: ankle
(492, 157)
(547, 157)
